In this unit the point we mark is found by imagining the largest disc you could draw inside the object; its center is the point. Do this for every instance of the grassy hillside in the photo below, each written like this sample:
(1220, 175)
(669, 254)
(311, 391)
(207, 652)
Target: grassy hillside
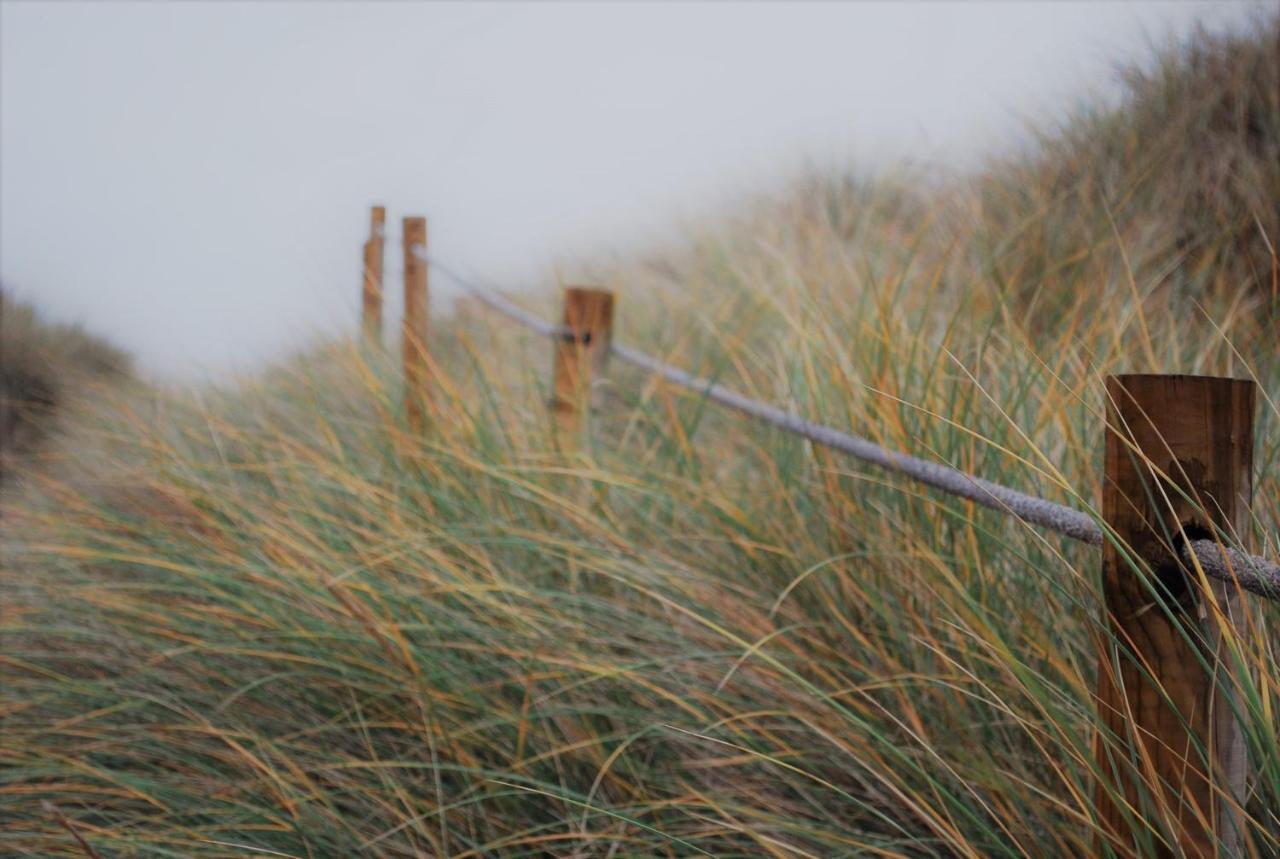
(44, 367)
(1186, 169)
(271, 621)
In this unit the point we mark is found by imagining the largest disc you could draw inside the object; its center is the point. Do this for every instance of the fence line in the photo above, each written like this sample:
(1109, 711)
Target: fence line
(1173, 718)
(1250, 572)
(1172, 669)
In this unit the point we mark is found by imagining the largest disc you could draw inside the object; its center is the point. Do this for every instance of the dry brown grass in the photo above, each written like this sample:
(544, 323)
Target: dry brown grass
(43, 367)
(309, 631)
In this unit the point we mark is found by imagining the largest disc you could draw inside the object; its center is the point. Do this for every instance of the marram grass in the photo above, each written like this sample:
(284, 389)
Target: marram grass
(269, 621)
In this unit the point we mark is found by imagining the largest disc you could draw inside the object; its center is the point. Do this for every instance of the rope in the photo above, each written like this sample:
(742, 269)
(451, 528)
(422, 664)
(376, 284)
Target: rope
(1065, 520)
(493, 299)
(1249, 572)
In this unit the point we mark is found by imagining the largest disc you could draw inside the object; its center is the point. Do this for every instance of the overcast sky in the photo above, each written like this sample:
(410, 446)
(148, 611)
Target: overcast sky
(193, 179)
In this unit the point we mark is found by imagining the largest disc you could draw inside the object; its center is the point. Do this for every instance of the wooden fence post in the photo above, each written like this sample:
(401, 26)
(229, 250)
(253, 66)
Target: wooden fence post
(371, 294)
(580, 354)
(414, 331)
(1179, 459)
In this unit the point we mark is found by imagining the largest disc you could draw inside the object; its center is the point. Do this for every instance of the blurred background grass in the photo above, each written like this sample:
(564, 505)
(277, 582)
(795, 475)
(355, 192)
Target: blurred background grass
(267, 620)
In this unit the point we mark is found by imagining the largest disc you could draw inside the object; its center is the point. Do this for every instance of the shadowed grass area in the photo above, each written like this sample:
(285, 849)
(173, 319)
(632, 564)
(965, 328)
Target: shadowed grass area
(270, 621)
(43, 366)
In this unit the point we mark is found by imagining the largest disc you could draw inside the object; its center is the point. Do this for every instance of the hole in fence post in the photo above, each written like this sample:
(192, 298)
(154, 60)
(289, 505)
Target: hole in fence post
(580, 356)
(414, 330)
(1171, 756)
(371, 293)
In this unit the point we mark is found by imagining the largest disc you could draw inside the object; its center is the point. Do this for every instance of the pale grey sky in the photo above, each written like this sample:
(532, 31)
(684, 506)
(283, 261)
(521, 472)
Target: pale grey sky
(193, 179)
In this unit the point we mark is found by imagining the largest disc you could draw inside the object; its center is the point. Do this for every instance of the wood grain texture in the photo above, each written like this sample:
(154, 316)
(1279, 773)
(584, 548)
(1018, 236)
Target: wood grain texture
(580, 356)
(371, 290)
(1179, 457)
(414, 330)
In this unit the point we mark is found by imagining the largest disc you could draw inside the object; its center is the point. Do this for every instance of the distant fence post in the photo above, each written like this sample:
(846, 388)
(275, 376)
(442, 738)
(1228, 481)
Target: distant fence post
(371, 293)
(414, 330)
(580, 354)
(1179, 459)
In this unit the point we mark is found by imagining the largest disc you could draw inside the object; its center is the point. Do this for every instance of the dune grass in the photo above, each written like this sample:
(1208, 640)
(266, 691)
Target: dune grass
(268, 620)
(43, 366)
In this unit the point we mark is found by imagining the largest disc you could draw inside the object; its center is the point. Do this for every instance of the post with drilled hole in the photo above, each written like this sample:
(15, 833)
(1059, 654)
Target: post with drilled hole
(371, 290)
(1171, 756)
(580, 355)
(414, 330)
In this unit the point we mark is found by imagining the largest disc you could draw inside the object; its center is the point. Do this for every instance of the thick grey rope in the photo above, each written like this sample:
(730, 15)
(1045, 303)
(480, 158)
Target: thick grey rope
(493, 299)
(1037, 511)
(1252, 573)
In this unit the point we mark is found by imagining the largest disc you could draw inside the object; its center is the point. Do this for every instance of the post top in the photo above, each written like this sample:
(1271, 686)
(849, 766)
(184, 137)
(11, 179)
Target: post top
(414, 229)
(588, 292)
(1180, 377)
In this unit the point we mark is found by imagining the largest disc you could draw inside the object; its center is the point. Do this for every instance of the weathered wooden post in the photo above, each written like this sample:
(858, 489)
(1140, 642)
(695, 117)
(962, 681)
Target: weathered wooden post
(371, 293)
(1171, 756)
(414, 329)
(580, 355)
